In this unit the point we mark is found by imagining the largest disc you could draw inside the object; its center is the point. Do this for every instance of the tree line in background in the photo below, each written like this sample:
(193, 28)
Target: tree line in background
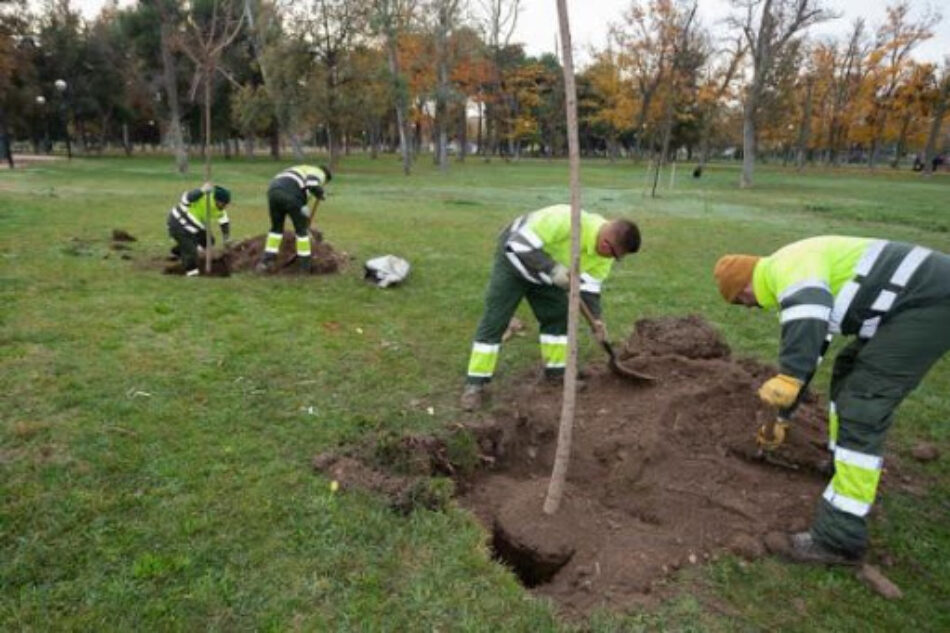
(444, 77)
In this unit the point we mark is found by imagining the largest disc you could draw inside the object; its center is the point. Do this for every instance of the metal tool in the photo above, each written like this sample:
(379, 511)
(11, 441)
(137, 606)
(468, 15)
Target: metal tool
(613, 363)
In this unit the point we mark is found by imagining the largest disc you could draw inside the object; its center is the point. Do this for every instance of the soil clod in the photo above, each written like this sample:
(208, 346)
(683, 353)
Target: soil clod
(118, 235)
(878, 582)
(925, 452)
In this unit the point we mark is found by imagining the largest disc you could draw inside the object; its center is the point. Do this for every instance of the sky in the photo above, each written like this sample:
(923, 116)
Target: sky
(537, 23)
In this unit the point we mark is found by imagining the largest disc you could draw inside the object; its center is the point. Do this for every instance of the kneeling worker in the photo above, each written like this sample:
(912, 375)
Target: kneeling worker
(288, 195)
(532, 261)
(895, 299)
(187, 222)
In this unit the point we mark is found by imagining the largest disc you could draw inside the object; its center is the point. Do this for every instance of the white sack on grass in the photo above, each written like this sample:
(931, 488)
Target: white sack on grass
(386, 270)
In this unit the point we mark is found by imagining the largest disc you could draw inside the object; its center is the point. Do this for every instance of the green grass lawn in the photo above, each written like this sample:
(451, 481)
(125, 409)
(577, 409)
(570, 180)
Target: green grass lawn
(156, 432)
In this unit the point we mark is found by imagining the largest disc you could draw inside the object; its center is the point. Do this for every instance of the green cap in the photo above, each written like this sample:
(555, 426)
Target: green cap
(222, 195)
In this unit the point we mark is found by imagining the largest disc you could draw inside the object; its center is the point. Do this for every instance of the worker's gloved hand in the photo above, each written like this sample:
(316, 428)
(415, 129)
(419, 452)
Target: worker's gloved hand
(305, 210)
(207, 188)
(780, 391)
(319, 193)
(779, 431)
(600, 330)
(561, 276)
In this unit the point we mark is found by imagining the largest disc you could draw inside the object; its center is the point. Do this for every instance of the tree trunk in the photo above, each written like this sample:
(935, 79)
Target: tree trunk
(804, 133)
(463, 132)
(901, 141)
(275, 139)
(126, 144)
(480, 140)
(442, 92)
(5, 140)
(748, 142)
(940, 111)
(402, 122)
(170, 79)
(209, 75)
(566, 429)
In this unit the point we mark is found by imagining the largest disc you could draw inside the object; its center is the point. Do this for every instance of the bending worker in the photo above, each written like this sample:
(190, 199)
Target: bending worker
(288, 195)
(188, 219)
(532, 261)
(894, 298)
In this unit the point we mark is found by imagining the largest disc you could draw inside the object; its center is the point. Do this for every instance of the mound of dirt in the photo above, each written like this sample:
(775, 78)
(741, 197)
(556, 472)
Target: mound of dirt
(662, 476)
(244, 256)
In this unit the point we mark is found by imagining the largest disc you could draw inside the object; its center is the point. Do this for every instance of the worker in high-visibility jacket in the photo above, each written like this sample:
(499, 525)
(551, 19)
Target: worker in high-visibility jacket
(531, 261)
(894, 298)
(288, 196)
(188, 221)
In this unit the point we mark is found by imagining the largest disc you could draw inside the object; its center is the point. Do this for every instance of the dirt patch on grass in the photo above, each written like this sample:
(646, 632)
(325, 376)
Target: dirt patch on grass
(662, 476)
(244, 256)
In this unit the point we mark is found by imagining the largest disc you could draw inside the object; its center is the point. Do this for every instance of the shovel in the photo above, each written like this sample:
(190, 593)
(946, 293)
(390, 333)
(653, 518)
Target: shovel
(613, 363)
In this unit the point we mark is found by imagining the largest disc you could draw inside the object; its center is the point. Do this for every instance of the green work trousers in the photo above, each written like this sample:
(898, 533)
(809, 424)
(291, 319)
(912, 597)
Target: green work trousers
(283, 203)
(187, 245)
(506, 288)
(869, 380)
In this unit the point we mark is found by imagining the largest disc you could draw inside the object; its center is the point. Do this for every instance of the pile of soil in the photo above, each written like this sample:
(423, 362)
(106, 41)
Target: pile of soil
(662, 475)
(244, 256)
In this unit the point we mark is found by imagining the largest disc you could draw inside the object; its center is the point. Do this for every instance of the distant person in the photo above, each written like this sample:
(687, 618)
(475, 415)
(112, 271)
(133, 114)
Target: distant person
(938, 160)
(531, 261)
(187, 222)
(287, 196)
(918, 163)
(894, 298)
(698, 172)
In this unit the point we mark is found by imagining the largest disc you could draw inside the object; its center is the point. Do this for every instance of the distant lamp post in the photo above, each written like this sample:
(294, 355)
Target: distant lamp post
(41, 106)
(61, 88)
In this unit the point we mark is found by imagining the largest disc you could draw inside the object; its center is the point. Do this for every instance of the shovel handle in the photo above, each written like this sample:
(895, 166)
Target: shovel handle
(585, 310)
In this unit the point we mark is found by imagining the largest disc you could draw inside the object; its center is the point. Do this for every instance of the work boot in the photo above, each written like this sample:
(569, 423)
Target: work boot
(473, 396)
(803, 548)
(305, 265)
(264, 266)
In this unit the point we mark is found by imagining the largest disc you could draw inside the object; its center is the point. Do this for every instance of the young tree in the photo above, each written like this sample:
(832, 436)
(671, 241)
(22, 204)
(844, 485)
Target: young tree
(769, 27)
(566, 429)
(212, 29)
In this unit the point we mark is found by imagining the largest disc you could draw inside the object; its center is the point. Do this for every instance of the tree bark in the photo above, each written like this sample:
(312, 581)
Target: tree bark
(566, 429)
(170, 79)
(804, 132)
(748, 143)
(940, 111)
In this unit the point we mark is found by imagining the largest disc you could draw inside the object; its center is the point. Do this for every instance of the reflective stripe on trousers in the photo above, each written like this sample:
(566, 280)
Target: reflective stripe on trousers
(854, 485)
(554, 351)
(481, 364)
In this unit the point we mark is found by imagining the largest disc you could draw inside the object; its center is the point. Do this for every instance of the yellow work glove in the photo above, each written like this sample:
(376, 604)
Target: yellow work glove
(779, 431)
(780, 391)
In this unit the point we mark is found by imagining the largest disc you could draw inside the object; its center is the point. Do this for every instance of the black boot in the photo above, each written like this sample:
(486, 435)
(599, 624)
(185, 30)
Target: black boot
(305, 265)
(267, 261)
